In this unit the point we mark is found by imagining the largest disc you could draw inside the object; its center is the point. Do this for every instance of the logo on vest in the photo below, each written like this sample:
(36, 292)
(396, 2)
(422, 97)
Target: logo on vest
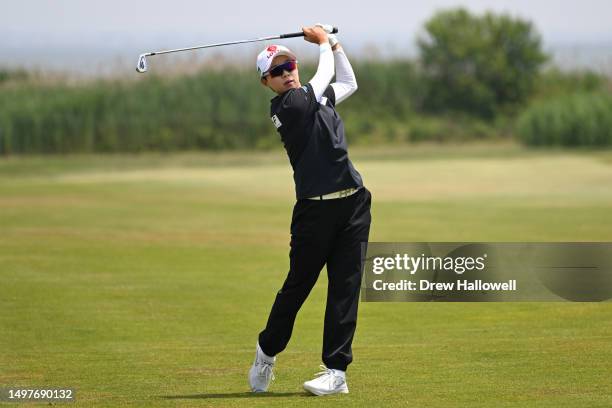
(276, 121)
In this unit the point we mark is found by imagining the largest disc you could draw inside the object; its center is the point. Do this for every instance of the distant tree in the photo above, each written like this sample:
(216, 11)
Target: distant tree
(478, 64)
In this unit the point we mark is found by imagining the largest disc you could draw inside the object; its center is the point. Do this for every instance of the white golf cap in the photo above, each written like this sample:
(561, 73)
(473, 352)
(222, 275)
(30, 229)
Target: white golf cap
(264, 59)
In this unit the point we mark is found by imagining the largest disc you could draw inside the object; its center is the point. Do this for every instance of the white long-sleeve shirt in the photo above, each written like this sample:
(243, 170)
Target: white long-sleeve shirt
(345, 84)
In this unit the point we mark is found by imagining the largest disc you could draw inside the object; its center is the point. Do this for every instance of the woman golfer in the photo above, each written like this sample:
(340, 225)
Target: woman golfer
(331, 218)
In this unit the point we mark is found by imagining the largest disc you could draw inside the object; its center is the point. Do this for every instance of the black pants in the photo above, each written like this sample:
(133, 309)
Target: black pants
(323, 232)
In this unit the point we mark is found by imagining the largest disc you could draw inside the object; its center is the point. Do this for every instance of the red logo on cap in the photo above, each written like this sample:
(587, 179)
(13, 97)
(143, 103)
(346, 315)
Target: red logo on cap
(271, 50)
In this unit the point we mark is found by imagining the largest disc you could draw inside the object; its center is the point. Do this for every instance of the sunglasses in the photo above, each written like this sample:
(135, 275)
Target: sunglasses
(278, 70)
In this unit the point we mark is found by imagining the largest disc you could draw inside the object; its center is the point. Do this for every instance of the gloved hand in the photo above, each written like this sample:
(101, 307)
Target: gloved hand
(315, 35)
(333, 40)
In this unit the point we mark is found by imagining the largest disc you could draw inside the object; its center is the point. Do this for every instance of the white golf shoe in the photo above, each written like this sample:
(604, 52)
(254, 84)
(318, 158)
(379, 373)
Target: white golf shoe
(260, 374)
(328, 382)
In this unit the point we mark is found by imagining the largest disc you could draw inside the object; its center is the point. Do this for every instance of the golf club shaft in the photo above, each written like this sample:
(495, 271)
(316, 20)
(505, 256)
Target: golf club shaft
(274, 37)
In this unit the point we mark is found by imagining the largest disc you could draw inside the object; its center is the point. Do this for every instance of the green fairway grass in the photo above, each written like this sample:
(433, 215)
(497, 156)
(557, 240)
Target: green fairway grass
(144, 280)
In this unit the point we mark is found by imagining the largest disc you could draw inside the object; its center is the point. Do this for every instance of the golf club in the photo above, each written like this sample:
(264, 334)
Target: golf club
(142, 59)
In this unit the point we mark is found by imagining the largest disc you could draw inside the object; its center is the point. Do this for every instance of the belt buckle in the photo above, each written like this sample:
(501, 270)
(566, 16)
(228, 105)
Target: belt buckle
(344, 193)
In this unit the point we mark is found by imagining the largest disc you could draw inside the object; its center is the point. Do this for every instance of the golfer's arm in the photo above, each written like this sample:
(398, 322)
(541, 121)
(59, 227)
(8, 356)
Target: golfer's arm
(346, 83)
(325, 71)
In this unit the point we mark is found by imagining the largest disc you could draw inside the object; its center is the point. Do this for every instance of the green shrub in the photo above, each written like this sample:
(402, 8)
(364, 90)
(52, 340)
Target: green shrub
(571, 120)
(7, 74)
(553, 83)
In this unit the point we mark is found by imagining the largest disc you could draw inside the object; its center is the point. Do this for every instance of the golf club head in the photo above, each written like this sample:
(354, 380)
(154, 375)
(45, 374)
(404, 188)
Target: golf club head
(142, 64)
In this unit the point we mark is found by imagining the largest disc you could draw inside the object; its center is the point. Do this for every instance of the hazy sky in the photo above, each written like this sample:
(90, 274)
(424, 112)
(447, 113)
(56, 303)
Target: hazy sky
(121, 27)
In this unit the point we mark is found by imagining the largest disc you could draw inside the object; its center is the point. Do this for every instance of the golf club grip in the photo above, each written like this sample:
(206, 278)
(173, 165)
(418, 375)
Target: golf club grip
(292, 35)
(301, 34)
